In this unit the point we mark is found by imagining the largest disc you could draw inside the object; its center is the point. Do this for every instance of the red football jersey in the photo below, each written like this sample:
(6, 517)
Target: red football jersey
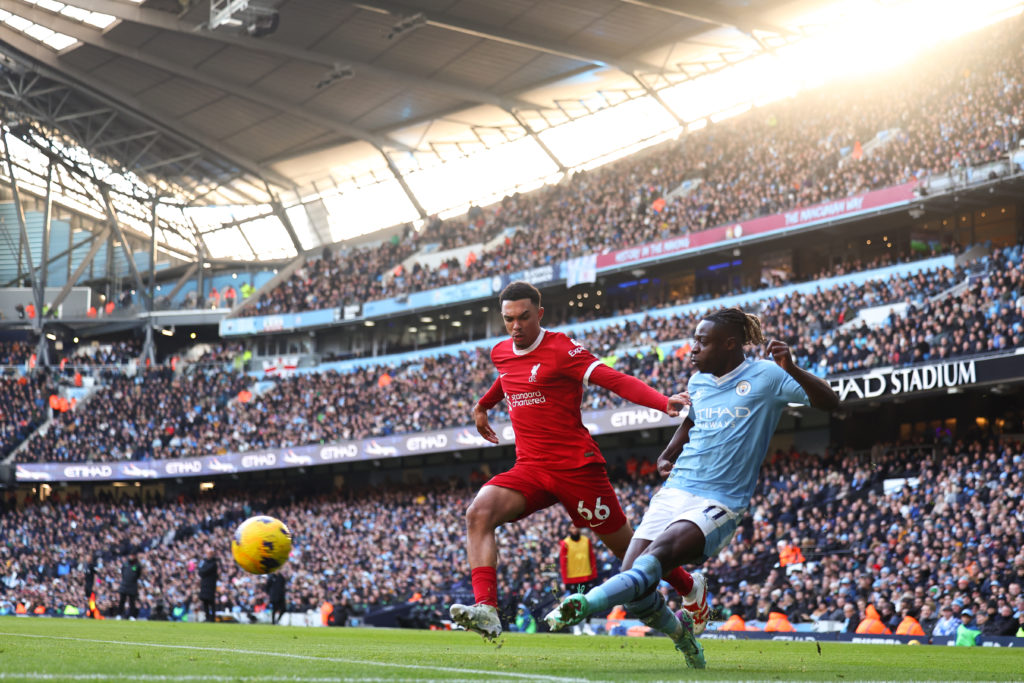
(543, 386)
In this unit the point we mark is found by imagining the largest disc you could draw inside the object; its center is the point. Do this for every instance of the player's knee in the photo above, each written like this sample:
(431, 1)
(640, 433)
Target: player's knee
(480, 516)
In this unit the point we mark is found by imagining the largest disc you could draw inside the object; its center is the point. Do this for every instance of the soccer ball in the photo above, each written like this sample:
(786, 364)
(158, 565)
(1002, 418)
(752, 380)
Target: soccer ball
(261, 545)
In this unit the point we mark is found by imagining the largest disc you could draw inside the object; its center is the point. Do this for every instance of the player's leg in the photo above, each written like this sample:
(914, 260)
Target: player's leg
(494, 505)
(596, 496)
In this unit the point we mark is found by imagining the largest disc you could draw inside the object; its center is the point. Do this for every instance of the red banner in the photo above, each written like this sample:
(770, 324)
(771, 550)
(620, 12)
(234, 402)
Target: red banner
(791, 219)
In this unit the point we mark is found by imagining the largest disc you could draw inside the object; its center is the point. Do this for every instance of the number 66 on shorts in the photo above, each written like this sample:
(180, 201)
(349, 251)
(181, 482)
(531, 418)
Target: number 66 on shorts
(598, 514)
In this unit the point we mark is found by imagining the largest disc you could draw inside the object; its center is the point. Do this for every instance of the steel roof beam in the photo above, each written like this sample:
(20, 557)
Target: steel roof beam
(398, 9)
(168, 22)
(93, 37)
(706, 13)
(65, 72)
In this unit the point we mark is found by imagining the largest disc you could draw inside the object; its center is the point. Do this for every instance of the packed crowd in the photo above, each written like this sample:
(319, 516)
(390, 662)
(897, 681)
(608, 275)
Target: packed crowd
(201, 416)
(947, 537)
(15, 352)
(151, 414)
(22, 409)
(956, 109)
(945, 542)
(107, 353)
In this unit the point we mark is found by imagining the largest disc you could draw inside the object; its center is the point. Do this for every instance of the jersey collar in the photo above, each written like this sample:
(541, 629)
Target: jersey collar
(535, 344)
(732, 373)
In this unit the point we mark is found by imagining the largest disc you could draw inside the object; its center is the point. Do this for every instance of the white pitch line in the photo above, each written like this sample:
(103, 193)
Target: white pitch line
(288, 655)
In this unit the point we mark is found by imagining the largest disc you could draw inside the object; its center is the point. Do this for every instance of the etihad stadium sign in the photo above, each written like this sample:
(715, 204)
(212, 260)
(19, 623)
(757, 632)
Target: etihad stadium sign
(881, 383)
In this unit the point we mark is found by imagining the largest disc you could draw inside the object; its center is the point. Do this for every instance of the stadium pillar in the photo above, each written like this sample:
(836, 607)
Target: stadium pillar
(189, 272)
(98, 240)
(278, 208)
(536, 138)
(37, 292)
(657, 98)
(401, 181)
(148, 349)
(108, 205)
(43, 352)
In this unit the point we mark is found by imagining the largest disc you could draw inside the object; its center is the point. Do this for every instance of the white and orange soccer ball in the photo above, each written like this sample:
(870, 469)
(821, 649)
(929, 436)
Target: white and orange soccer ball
(261, 545)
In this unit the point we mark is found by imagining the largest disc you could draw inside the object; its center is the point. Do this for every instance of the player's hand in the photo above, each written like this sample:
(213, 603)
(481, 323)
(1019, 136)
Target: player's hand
(665, 466)
(780, 352)
(677, 403)
(483, 425)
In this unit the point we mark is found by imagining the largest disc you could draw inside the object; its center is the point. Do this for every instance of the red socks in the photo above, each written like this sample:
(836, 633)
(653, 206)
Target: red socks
(678, 577)
(485, 585)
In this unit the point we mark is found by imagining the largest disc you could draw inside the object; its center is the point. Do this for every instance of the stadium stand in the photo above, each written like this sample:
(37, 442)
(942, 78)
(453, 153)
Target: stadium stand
(375, 400)
(795, 153)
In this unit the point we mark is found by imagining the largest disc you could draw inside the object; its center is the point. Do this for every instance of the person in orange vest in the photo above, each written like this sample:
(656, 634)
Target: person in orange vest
(30, 311)
(92, 312)
(614, 618)
(872, 623)
(214, 298)
(789, 554)
(109, 308)
(229, 296)
(326, 610)
(778, 621)
(909, 626)
(733, 623)
(21, 608)
(78, 378)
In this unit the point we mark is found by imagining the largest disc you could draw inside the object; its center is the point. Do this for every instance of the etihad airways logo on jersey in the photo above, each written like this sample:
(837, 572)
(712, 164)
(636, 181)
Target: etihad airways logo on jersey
(718, 417)
(526, 398)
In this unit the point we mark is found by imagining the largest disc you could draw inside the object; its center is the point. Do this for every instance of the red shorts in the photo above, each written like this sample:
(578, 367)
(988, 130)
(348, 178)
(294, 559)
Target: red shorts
(585, 493)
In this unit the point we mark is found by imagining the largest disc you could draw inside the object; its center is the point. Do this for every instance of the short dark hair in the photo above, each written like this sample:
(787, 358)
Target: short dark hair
(519, 289)
(746, 326)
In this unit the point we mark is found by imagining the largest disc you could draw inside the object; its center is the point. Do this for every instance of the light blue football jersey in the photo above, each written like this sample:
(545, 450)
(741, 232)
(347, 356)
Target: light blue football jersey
(734, 417)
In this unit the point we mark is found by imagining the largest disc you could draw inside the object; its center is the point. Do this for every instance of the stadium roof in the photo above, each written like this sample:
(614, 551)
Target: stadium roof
(348, 94)
(211, 113)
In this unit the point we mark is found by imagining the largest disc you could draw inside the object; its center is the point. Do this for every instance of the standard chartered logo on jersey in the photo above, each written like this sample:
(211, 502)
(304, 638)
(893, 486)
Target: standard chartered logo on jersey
(718, 417)
(526, 398)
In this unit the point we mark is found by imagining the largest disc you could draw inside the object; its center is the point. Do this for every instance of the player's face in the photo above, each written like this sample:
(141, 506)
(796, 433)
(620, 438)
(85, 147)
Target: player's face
(711, 348)
(522, 321)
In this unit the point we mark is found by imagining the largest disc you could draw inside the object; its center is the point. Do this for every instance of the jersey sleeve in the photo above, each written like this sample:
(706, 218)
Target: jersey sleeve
(575, 361)
(629, 388)
(786, 388)
(493, 395)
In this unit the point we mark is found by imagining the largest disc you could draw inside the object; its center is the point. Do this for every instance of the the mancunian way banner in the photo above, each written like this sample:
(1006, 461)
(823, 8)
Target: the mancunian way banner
(797, 218)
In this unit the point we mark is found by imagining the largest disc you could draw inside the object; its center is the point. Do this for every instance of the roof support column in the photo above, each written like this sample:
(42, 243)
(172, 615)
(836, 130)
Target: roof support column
(657, 98)
(401, 181)
(37, 292)
(140, 287)
(536, 138)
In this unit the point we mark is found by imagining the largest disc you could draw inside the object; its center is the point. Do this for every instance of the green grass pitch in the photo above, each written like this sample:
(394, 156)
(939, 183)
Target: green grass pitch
(34, 649)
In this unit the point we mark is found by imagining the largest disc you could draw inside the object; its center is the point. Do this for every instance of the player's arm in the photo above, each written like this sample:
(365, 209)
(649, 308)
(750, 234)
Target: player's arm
(818, 390)
(667, 459)
(489, 400)
(635, 391)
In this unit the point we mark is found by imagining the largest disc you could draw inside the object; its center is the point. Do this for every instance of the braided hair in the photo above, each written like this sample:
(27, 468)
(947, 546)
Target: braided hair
(746, 326)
